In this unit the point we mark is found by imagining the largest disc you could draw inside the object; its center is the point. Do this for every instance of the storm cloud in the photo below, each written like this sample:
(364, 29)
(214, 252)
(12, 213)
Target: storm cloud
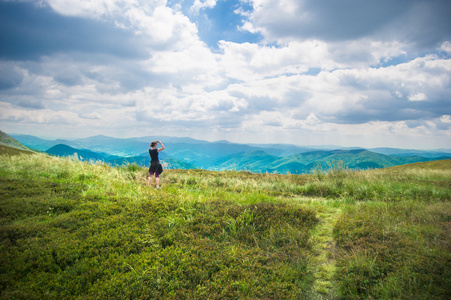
(29, 31)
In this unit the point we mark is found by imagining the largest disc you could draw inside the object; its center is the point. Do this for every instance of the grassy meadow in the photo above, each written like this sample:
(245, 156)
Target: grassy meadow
(76, 230)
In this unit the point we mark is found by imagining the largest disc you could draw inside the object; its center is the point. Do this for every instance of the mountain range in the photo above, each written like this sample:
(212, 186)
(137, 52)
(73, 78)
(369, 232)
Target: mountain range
(188, 153)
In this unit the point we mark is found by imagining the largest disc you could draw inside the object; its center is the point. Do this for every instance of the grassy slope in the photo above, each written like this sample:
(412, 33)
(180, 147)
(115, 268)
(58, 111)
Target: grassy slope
(8, 151)
(76, 230)
(6, 140)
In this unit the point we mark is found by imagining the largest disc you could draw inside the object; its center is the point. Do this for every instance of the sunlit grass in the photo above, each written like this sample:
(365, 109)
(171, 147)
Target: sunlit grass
(89, 230)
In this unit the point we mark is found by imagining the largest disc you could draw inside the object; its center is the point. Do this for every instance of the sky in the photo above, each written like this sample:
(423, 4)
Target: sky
(374, 73)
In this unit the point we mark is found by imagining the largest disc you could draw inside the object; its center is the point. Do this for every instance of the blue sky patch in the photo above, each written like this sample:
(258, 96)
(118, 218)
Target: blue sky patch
(222, 23)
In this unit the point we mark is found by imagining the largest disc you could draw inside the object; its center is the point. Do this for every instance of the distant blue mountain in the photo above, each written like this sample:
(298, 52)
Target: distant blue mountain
(87, 155)
(412, 152)
(314, 160)
(255, 161)
(188, 153)
(64, 150)
(35, 142)
(168, 162)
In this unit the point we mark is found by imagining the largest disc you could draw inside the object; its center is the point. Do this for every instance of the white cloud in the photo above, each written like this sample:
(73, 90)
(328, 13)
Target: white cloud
(200, 4)
(248, 61)
(418, 97)
(87, 8)
(446, 46)
(445, 119)
(195, 59)
(43, 116)
(353, 88)
(90, 116)
(162, 26)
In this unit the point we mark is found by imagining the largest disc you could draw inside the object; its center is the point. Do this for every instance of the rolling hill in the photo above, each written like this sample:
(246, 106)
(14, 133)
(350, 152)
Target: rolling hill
(198, 152)
(315, 160)
(188, 153)
(141, 160)
(9, 141)
(85, 155)
(256, 161)
(412, 152)
(144, 161)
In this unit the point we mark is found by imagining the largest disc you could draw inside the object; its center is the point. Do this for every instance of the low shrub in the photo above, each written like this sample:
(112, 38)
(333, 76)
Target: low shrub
(381, 257)
(87, 230)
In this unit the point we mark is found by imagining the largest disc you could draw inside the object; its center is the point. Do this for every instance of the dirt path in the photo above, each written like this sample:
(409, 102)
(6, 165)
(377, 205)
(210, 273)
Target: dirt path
(324, 250)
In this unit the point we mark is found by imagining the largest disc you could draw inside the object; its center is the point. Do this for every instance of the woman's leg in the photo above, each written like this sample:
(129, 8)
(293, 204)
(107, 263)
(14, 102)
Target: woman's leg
(157, 179)
(150, 178)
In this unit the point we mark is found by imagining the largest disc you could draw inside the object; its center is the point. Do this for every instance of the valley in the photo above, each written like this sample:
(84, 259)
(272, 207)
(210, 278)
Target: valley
(187, 153)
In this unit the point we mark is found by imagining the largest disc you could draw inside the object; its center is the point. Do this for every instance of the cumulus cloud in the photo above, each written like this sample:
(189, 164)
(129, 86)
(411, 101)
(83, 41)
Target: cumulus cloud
(391, 93)
(270, 61)
(409, 21)
(200, 4)
(329, 72)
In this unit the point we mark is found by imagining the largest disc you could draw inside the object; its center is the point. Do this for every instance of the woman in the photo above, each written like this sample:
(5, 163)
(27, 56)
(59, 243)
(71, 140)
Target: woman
(155, 168)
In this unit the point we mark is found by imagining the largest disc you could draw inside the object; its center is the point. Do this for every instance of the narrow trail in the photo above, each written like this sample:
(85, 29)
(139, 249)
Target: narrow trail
(324, 250)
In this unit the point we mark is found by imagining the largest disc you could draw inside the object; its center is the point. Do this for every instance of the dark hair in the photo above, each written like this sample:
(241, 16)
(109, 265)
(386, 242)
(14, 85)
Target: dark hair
(152, 144)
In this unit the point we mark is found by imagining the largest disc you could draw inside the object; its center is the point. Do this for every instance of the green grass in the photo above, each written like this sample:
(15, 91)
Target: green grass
(11, 151)
(75, 230)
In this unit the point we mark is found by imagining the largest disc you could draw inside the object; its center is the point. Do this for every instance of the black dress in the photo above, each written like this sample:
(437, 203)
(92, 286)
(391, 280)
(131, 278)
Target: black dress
(155, 165)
